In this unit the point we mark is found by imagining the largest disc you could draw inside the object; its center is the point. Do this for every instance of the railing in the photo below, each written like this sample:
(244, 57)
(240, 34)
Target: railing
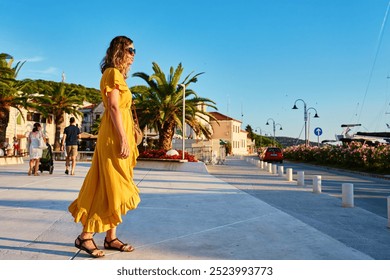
(207, 155)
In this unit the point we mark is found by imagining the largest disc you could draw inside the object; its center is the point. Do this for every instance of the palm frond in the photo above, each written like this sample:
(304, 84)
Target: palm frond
(160, 103)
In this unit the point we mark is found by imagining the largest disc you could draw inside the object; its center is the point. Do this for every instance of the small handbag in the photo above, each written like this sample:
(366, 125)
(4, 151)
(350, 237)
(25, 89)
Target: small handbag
(42, 144)
(137, 130)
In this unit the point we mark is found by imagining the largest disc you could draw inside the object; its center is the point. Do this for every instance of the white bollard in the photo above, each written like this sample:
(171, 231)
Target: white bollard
(317, 184)
(301, 178)
(347, 194)
(274, 168)
(261, 164)
(270, 167)
(388, 211)
(265, 165)
(289, 173)
(281, 171)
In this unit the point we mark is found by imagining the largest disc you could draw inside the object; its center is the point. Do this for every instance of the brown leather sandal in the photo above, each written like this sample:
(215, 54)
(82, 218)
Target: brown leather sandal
(89, 251)
(123, 248)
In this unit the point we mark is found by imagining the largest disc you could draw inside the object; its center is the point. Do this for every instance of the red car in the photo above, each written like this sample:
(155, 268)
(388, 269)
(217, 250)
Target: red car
(272, 154)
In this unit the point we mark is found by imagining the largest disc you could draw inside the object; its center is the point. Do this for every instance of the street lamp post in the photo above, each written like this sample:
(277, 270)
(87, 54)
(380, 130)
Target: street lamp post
(305, 117)
(145, 142)
(184, 119)
(274, 127)
(260, 134)
(308, 125)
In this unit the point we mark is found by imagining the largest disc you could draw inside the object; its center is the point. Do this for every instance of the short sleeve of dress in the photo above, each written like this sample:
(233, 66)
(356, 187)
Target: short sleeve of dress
(113, 79)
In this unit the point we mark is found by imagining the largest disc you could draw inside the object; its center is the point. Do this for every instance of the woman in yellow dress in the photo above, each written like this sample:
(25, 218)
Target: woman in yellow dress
(108, 191)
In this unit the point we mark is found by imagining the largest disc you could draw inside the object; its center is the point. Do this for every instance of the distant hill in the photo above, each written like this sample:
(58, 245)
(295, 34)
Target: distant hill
(289, 141)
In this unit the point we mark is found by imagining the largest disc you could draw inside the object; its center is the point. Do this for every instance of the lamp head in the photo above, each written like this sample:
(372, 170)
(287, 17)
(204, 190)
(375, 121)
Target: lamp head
(316, 116)
(267, 123)
(295, 107)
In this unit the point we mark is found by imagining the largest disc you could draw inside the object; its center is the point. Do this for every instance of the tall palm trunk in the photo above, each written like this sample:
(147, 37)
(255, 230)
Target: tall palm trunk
(4, 118)
(59, 119)
(166, 135)
(57, 145)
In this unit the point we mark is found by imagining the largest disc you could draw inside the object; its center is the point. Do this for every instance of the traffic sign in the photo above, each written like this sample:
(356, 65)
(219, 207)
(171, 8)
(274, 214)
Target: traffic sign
(318, 131)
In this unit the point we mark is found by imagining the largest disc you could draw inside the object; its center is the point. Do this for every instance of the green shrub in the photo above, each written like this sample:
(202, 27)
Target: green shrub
(354, 155)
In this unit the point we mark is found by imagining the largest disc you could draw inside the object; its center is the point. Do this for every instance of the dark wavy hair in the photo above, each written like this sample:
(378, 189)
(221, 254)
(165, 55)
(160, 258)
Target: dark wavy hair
(36, 127)
(115, 54)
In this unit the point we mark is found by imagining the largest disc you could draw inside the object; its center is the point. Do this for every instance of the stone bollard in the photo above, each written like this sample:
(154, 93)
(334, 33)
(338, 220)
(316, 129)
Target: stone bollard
(281, 171)
(347, 194)
(388, 211)
(301, 178)
(317, 184)
(274, 168)
(270, 167)
(289, 176)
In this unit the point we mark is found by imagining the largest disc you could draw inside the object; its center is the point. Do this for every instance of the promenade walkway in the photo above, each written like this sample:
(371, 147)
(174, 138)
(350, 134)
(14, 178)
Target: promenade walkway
(184, 215)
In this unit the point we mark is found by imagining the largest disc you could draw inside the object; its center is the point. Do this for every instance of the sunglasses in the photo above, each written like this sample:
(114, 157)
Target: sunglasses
(131, 51)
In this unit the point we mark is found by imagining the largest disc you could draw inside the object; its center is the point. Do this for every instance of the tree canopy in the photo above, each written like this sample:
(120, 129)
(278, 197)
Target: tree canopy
(160, 104)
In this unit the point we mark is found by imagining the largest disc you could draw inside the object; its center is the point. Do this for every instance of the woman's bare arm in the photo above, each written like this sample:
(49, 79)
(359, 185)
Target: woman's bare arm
(116, 117)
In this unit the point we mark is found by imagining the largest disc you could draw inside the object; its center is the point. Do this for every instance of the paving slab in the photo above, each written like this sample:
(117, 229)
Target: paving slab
(183, 215)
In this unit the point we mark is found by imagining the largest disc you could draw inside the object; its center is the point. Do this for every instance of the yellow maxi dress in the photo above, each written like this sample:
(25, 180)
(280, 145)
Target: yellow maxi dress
(108, 191)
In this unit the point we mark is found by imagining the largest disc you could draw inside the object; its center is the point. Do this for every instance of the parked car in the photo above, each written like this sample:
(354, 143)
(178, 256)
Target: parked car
(272, 154)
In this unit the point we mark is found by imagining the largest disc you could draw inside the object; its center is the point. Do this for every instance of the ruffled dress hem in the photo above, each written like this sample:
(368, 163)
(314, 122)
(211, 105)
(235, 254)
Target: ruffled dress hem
(102, 224)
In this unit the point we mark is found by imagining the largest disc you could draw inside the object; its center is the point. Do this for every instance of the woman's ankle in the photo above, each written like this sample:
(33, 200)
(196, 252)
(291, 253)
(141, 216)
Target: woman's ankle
(86, 235)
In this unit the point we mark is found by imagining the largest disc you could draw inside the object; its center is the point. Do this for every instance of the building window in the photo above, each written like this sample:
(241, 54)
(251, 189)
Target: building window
(34, 117)
(86, 118)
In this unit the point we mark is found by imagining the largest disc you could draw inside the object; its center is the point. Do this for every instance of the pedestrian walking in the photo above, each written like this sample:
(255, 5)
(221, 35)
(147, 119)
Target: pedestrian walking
(35, 139)
(70, 144)
(108, 191)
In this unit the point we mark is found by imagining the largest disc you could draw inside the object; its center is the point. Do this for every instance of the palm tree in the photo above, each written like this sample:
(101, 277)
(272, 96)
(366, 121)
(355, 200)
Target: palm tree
(159, 104)
(6, 69)
(58, 98)
(11, 91)
(249, 129)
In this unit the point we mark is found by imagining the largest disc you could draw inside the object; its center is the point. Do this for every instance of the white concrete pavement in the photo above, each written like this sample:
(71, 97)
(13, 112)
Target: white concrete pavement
(183, 215)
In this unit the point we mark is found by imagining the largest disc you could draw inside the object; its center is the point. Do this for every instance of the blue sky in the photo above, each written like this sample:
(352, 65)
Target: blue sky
(259, 56)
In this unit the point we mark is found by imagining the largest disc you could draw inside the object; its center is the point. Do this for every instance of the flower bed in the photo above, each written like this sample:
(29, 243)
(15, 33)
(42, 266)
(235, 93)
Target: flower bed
(161, 154)
(355, 156)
